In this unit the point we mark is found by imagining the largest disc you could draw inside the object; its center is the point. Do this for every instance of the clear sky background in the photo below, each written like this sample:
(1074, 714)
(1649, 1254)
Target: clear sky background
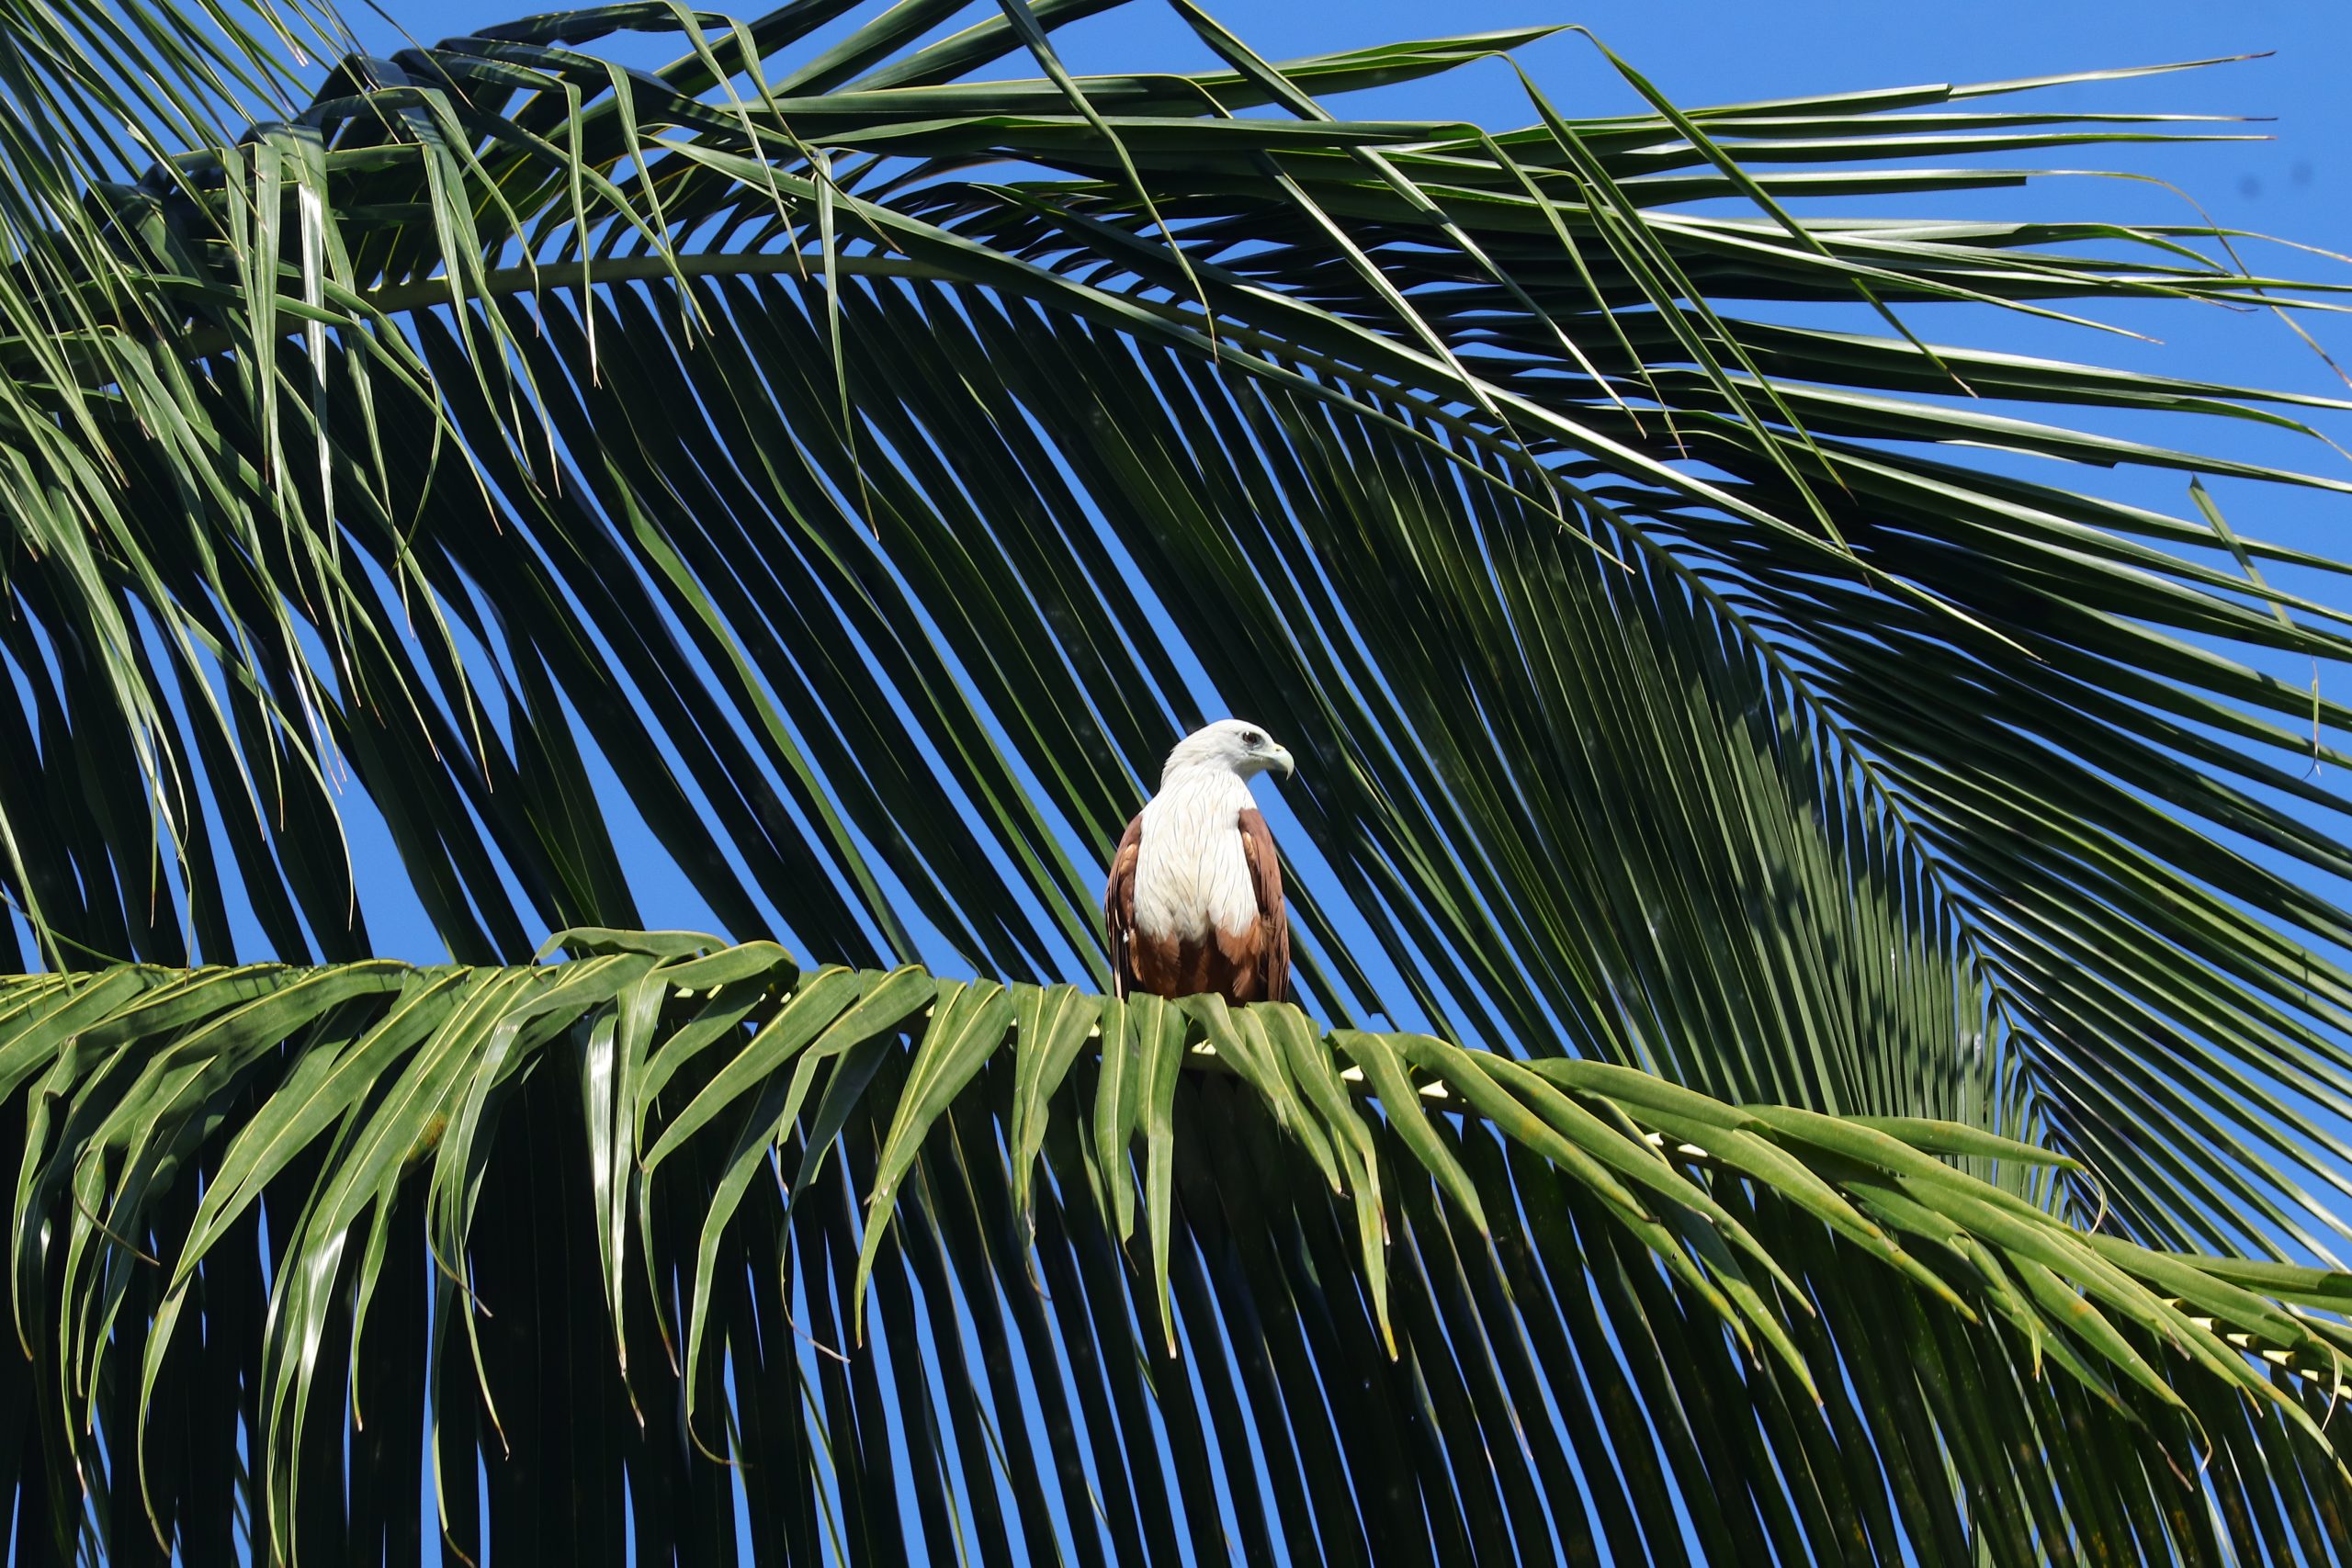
(2296, 184)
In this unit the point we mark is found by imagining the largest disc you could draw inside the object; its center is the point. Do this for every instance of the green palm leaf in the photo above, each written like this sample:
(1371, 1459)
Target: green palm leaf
(319, 1089)
(1901, 1036)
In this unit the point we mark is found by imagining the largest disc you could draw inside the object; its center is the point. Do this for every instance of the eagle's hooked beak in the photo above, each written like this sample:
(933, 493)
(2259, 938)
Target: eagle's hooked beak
(1282, 755)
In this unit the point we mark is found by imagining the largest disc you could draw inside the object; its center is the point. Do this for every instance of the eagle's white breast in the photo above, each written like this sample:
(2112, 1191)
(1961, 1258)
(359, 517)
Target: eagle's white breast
(1191, 873)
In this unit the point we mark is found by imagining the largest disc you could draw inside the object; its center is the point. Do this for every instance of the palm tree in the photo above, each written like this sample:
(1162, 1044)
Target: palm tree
(1823, 1035)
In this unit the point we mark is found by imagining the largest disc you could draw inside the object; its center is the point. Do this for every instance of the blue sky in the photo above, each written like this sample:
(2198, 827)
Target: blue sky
(1706, 51)
(2298, 185)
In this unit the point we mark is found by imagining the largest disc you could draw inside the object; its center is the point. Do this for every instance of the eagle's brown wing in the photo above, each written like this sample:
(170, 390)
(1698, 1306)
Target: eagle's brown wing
(1119, 908)
(1272, 955)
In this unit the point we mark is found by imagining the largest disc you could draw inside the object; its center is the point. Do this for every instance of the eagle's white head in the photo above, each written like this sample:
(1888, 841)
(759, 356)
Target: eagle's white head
(1229, 746)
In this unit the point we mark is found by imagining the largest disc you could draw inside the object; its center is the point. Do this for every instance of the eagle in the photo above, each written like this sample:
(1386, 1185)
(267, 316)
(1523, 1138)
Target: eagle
(1196, 900)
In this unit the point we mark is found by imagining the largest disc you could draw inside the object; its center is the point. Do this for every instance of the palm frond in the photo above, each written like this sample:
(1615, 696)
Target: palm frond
(682, 1132)
(853, 469)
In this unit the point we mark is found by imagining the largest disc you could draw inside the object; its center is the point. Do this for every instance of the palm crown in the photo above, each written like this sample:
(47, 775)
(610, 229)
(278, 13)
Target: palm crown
(1820, 1038)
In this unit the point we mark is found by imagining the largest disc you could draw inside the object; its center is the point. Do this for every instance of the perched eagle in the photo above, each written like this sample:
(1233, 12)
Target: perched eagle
(1196, 901)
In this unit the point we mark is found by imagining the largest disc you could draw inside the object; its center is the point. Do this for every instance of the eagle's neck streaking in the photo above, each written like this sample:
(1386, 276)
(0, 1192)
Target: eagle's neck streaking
(1191, 874)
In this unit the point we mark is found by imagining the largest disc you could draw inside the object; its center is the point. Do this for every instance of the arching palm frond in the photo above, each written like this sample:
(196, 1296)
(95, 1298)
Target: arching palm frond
(1286, 1297)
(1878, 897)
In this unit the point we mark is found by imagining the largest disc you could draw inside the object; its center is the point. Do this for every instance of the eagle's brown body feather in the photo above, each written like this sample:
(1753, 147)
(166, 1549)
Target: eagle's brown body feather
(1248, 963)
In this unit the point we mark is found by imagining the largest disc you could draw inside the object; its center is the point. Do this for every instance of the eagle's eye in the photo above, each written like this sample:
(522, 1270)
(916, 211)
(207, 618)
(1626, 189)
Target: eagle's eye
(1253, 740)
